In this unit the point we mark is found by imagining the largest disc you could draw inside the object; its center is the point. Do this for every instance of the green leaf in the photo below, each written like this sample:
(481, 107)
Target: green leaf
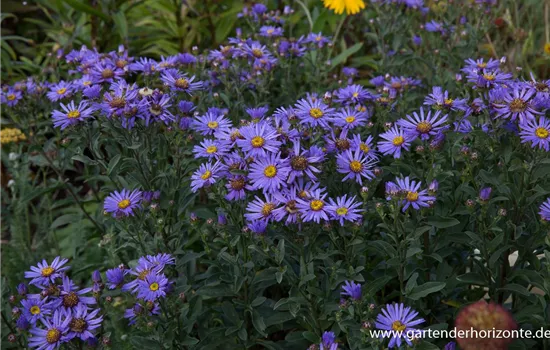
(472, 278)
(345, 54)
(442, 222)
(425, 289)
(82, 7)
(516, 288)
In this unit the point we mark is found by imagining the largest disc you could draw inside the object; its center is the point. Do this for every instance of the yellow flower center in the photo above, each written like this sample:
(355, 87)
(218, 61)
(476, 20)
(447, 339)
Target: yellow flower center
(47, 271)
(213, 125)
(182, 83)
(342, 211)
(412, 196)
(257, 53)
(211, 149)
(270, 171)
(542, 133)
(73, 114)
(355, 94)
(207, 174)
(350, 119)
(267, 209)
(87, 83)
(61, 91)
(257, 141)
(11, 97)
(70, 300)
(355, 166)
(518, 105)
(270, 31)
(316, 113)
(35, 310)
(482, 65)
(237, 184)
(449, 102)
(547, 48)
(154, 286)
(424, 127)
(53, 335)
(123, 204)
(78, 325)
(143, 274)
(398, 140)
(364, 147)
(489, 76)
(398, 326)
(303, 194)
(316, 204)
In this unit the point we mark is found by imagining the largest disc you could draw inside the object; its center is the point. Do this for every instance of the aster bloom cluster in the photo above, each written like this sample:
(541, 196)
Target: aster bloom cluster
(60, 312)
(149, 284)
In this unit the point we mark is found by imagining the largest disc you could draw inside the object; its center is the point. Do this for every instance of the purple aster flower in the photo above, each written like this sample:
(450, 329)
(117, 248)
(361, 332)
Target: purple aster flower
(545, 210)
(158, 108)
(22, 289)
(480, 64)
(211, 124)
(257, 114)
(257, 227)
(71, 114)
(417, 40)
(106, 71)
(211, 148)
(54, 334)
(92, 92)
(350, 118)
(60, 91)
(46, 273)
(236, 188)
(395, 142)
(269, 173)
(485, 193)
(122, 203)
(271, 31)
(378, 81)
(488, 78)
(11, 97)
(440, 99)
(433, 187)
(259, 9)
(338, 143)
(96, 276)
(261, 209)
(434, 26)
(115, 277)
(450, 346)
(22, 323)
(154, 286)
(367, 146)
(186, 59)
(206, 175)
(517, 104)
(352, 94)
(397, 318)
(318, 39)
(288, 210)
(133, 313)
(35, 308)
(70, 296)
(423, 126)
(356, 165)
(344, 209)
(352, 290)
(314, 208)
(258, 139)
(146, 65)
(180, 82)
(350, 72)
(328, 341)
(413, 196)
(536, 132)
(313, 112)
(83, 322)
(301, 161)
(158, 262)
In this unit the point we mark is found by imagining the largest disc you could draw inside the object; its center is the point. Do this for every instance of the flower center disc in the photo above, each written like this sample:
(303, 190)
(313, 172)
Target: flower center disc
(342, 211)
(78, 325)
(316, 113)
(270, 171)
(398, 140)
(518, 105)
(412, 196)
(424, 127)
(182, 83)
(257, 141)
(212, 125)
(70, 300)
(53, 335)
(35, 310)
(542, 133)
(299, 163)
(316, 204)
(47, 271)
(154, 286)
(73, 114)
(207, 174)
(123, 204)
(267, 208)
(350, 119)
(211, 149)
(398, 326)
(61, 91)
(355, 166)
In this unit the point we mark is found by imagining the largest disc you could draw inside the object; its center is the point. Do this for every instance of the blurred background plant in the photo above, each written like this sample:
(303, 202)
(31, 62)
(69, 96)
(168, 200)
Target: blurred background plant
(34, 31)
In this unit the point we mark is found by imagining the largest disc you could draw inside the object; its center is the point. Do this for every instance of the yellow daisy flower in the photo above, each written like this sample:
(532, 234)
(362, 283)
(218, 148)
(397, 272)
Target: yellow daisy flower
(351, 6)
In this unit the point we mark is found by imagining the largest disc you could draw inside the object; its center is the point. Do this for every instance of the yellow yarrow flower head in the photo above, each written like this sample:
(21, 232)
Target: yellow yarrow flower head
(547, 48)
(9, 135)
(351, 6)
